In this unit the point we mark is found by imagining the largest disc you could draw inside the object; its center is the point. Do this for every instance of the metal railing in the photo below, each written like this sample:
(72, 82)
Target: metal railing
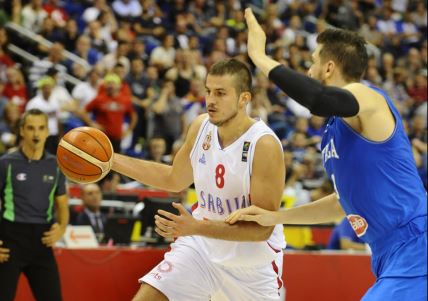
(44, 42)
(32, 58)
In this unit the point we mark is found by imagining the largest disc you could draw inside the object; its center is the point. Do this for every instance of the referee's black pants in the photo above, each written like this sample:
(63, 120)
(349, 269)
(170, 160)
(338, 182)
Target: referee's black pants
(29, 256)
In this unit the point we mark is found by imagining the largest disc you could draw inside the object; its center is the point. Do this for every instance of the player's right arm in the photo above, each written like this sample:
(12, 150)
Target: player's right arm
(324, 210)
(173, 178)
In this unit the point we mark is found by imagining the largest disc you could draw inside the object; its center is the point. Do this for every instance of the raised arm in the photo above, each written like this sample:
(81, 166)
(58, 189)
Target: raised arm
(319, 99)
(364, 109)
(173, 178)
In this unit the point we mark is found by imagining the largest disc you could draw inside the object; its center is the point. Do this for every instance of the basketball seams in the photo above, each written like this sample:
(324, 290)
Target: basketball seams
(82, 154)
(102, 147)
(80, 174)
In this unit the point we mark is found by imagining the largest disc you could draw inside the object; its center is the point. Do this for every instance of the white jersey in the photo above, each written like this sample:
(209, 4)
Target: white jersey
(222, 182)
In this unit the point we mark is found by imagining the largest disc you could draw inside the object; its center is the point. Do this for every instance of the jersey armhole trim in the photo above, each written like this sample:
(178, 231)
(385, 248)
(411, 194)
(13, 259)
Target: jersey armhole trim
(253, 148)
(201, 129)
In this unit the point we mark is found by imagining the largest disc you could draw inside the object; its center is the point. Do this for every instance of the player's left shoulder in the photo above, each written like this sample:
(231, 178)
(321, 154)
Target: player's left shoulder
(267, 148)
(368, 99)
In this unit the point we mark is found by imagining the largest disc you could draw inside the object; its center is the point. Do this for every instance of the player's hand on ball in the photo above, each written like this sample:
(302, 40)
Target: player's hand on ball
(53, 235)
(170, 225)
(252, 214)
(4, 253)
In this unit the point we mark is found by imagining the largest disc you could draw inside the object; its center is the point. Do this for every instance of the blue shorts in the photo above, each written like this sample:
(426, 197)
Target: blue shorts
(398, 288)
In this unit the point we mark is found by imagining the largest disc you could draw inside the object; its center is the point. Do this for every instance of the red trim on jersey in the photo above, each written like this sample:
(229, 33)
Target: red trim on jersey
(276, 250)
(276, 270)
(194, 206)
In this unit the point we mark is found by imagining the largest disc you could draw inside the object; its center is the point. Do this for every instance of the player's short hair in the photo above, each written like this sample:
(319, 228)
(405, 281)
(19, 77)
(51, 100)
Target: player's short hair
(32, 112)
(237, 68)
(347, 49)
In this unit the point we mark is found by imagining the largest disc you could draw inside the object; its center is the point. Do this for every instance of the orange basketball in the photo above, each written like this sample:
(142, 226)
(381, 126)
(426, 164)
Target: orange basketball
(85, 155)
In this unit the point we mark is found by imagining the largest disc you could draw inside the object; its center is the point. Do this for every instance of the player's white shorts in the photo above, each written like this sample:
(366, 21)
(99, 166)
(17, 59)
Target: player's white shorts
(188, 275)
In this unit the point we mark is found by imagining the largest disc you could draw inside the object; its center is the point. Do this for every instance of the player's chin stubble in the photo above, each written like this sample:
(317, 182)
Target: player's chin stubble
(225, 121)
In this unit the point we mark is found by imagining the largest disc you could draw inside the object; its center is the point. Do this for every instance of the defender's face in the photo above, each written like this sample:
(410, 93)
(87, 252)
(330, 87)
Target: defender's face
(221, 98)
(34, 132)
(316, 71)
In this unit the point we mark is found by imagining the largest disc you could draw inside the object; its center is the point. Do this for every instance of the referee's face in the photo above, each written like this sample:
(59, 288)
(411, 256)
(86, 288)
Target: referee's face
(34, 132)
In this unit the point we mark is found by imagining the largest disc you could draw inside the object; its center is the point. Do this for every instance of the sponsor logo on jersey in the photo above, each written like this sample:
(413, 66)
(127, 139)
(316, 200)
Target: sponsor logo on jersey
(245, 149)
(358, 223)
(48, 178)
(207, 142)
(21, 176)
(202, 159)
(165, 266)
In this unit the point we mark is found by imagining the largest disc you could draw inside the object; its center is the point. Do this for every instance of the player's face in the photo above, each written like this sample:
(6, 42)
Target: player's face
(316, 71)
(34, 132)
(221, 98)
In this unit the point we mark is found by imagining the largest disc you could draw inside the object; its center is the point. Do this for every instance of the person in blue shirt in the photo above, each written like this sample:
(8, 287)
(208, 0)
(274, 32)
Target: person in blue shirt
(366, 154)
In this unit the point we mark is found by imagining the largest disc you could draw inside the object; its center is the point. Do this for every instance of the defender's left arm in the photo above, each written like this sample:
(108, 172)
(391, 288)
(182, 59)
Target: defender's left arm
(267, 184)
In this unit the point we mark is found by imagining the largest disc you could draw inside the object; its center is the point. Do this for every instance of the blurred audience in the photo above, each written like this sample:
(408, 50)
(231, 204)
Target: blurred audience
(91, 214)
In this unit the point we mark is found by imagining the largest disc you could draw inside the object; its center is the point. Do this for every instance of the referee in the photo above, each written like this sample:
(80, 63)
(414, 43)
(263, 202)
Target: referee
(31, 188)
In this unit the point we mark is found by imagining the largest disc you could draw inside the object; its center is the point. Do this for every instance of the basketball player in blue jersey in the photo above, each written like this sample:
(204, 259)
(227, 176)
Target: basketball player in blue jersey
(367, 155)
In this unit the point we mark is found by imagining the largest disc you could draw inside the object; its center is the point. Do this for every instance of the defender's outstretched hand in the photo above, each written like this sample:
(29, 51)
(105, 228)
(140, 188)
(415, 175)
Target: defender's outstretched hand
(253, 214)
(256, 43)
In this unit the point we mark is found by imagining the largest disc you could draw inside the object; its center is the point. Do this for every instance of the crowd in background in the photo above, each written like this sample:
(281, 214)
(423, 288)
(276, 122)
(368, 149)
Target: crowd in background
(145, 63)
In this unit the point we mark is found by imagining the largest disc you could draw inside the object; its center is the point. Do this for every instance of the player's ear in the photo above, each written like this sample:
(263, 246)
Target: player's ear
(244, 98)
(329, 69)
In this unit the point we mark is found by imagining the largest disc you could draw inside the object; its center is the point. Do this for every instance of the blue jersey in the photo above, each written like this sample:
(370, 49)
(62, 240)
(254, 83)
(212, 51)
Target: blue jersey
(380, 190)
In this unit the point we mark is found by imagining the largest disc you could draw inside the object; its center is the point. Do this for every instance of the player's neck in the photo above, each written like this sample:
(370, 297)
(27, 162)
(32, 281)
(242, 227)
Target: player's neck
(337, 82)
(230, 132)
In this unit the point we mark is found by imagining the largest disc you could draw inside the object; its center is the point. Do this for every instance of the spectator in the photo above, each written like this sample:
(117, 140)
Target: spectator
(419, 16)
(99, 38)
(93, 12)
(86, 91)
(163, 56)
(167, 115)
(55, 60)
(110, 109)
(54, 103)
(418, 88)
(56, 12)
(5, 59)
(91, 214)
(139, 84)
(9, 126)
(84, 50)
(343, 237)
(71, 35)
(127, 8)
(157, 150)
(120, 56)
(138, 51)
(15, 89)
(32, 15)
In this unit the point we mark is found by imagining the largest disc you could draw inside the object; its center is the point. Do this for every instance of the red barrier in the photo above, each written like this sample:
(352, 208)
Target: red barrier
(112, 274)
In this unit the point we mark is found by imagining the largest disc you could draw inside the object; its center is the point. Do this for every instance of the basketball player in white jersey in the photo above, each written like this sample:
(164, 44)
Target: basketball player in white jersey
(234, 161)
